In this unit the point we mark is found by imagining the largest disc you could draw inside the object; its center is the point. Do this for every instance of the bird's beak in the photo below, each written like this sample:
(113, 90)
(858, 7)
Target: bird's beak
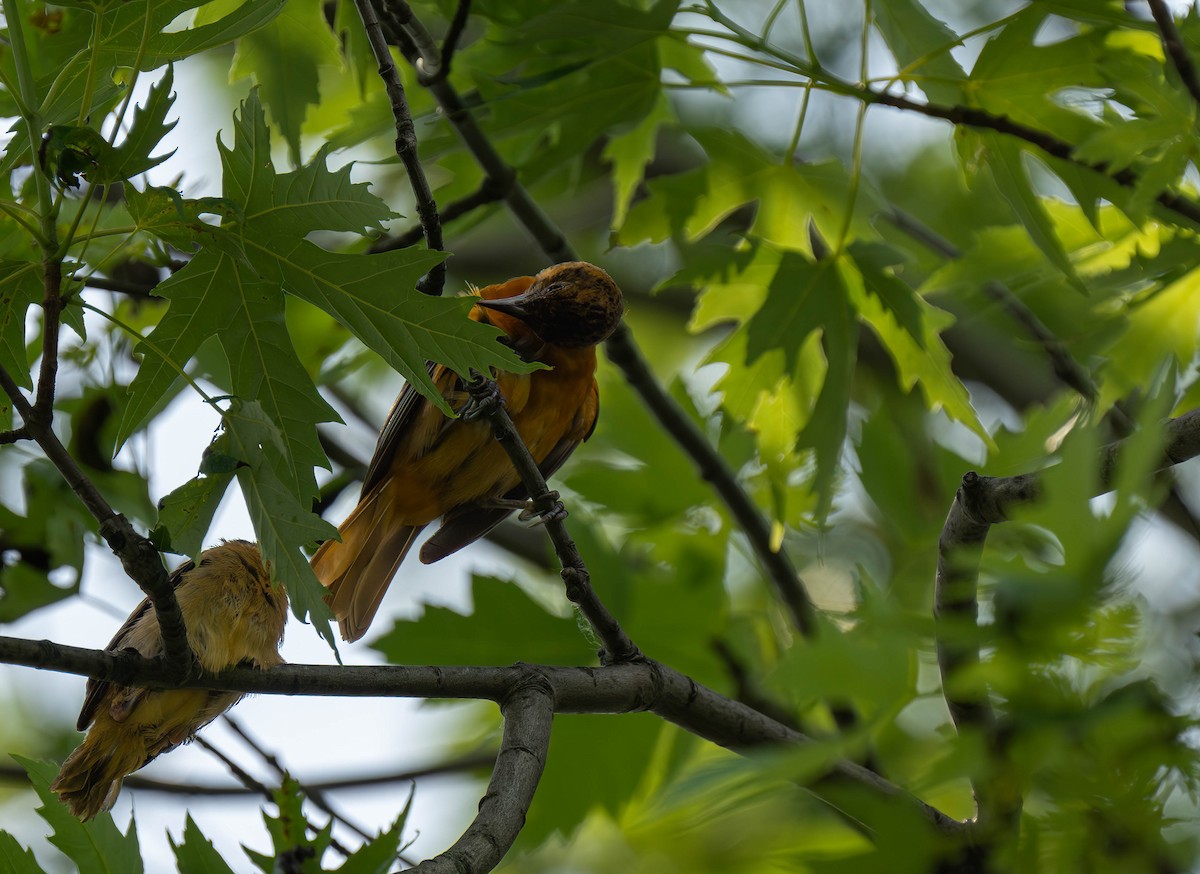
(513, 306)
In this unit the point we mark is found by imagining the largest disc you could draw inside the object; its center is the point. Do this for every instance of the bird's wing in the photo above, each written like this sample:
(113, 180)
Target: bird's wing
(466, 524)
(403, 412)
(97, 690)
(408, 402)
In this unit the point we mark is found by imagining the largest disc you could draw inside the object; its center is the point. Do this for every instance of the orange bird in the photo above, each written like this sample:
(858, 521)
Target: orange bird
(233, 616)
(426, 465)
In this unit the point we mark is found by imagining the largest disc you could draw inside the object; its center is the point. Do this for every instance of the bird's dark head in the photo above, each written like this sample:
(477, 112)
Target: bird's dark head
(570, 304)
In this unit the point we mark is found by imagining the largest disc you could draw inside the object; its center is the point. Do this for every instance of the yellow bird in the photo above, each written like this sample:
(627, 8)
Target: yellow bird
(234, 616)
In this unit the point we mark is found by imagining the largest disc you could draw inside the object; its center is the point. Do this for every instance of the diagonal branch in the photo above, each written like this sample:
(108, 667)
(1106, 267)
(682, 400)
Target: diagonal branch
(137, 554)
(981, 502)
(1172, 42)
(488, 192)
(528, 715)
(315, 795)
(617, 645)
(406, 146)
(623, 350)
(247, 779)
(454, 33)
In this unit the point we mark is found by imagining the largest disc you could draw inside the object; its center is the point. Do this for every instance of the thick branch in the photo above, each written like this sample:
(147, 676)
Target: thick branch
(406, 146)
(644, 685)
(137, 554)
(1176, 50)
(528, 714)
(617, 645)
(981, 502)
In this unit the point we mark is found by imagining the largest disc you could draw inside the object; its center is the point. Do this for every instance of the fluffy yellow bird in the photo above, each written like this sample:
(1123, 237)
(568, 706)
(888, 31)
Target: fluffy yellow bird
(234, 616)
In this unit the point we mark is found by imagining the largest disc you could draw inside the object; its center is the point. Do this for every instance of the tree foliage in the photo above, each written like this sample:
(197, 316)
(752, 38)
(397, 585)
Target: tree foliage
(867, 249)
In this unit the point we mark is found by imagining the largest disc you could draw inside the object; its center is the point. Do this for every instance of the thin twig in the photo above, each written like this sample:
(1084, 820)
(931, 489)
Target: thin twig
(617, 645)
(406, 147)
(138, 556)
(489, 192)
(1069, 371)
(316, 796)
(979, 503)
(247, 779)
(958, 115)
(1173, 44)
(15, 435)
(450, 43)
(528, 715)
(138, 783)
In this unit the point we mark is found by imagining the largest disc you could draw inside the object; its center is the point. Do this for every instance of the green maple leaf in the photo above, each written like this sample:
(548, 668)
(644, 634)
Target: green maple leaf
(96, 847)
(284, 57)
(195, 854)
(145, 133)
(281, 522)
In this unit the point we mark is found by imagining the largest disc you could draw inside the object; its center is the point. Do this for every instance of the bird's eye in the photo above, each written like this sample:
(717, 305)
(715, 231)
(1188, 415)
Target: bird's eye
(554, 287)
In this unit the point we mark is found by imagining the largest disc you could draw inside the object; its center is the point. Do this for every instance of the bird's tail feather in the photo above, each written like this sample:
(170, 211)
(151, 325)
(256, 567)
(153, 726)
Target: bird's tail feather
(90, 778)
(357, 571)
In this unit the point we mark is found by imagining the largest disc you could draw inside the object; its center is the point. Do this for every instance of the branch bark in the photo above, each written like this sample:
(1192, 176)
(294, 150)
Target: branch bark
(528, 715)
(617, 645)
(1173, 44)
(644, 685)
(138, 556)
(406, 147)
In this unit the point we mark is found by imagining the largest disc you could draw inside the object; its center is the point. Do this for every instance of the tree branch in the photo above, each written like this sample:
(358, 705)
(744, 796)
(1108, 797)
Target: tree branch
(428, 60)
(1173, 44)
(617, 645)
(52, 304)
(958, 115)
(489, 191)
(406, 147)
(139, 783)
(644, 685)
(528, 715)
(315, 795)
(979, 503)
(453, 34)
(623, 352)
(138, 556)
(1069, 371)
(247, 779)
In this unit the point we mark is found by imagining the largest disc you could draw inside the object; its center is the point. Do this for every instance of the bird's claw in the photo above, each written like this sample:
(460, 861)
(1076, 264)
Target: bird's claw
(483, 398)
(543, 509)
